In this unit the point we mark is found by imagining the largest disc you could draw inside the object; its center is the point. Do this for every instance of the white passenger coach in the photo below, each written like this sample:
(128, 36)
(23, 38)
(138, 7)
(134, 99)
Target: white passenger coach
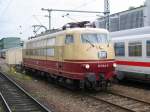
(132, 51)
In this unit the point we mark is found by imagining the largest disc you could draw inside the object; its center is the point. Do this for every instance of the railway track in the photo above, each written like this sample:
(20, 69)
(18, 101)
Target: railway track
(3, 105)
(123, 102)
(16, 99)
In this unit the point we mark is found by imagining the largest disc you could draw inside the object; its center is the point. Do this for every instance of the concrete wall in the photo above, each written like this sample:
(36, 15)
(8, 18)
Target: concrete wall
(13, 56)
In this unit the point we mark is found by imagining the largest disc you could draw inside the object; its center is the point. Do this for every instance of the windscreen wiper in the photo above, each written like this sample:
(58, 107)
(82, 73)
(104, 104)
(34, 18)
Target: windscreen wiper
(90, 43)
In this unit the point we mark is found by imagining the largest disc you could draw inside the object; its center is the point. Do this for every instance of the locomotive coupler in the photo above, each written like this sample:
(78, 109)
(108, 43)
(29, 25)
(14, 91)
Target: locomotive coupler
(90, 80)
(103, 83)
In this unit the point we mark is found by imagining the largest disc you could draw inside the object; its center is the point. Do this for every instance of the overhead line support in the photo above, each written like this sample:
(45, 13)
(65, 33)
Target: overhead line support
(80, 11)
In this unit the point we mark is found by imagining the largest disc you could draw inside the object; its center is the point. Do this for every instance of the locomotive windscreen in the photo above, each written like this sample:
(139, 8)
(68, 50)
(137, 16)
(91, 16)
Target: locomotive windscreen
(94, 38)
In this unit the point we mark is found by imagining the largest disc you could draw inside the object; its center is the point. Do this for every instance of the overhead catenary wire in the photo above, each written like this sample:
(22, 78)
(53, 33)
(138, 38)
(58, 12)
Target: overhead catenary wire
(78, 7)
(36, 18)
(63, 10)
(67, 15)
(84, 4)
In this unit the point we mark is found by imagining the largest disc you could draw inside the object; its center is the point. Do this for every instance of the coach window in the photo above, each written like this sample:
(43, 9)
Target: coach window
(148, 48)
(69, 39)
(135, 49)
(119, 49)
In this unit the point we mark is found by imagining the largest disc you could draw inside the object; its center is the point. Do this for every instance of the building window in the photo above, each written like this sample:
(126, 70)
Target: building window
(135, 49)
(69, 39)
(119, 49)
(148, 48)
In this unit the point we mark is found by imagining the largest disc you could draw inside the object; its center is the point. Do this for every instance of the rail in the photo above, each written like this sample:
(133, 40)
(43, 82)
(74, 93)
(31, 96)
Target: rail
(122, 101)
(4, 103)
(17, 98)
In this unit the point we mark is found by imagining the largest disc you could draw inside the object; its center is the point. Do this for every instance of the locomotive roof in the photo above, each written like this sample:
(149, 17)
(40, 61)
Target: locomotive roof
(72, 30)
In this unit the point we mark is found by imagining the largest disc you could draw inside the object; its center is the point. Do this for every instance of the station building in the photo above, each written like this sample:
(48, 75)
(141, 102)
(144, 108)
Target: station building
(128, 19)
(9, 42)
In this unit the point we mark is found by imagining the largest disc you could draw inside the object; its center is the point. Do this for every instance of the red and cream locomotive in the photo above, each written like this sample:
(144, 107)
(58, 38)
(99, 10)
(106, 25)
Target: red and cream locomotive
(83, 57)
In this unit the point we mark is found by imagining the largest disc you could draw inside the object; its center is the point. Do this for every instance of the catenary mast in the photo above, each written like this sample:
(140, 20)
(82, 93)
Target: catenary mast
(106, 13)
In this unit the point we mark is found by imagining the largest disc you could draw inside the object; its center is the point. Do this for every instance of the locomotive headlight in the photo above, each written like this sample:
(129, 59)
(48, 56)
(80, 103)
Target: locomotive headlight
(114, 65)
(87, 66)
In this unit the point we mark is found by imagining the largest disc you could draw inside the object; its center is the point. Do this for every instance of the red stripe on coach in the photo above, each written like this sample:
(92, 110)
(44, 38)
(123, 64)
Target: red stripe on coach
(133, 63)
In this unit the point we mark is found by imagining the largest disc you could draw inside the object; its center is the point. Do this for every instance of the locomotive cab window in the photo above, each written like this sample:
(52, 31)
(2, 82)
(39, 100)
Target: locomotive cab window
(94, 38)
(119, 49)
(148, 47)
(69, 39)
(135, 49)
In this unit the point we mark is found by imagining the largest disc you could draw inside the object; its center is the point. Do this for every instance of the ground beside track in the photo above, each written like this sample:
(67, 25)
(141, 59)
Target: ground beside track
(139, 93)
(62, 100)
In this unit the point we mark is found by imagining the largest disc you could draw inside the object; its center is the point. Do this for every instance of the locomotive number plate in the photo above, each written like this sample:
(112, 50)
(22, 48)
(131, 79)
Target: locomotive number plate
(102, 54)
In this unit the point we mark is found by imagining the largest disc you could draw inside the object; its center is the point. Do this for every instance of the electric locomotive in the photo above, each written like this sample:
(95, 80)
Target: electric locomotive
(82, 57)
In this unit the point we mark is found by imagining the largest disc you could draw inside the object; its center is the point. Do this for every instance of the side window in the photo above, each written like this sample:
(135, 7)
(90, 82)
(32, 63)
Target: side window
(50, 51)
(33, 52)
(135, 48)
(27, 45)
(42, 52)
(36, 52)
(39, 52)
(69, 39)
(148, 47)
(119, 49)
(51, 41)
(30, 52)
(45, 52)
(26, 51)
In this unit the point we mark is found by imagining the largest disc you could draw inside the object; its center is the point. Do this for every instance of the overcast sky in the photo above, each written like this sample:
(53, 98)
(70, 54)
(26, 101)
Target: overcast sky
(25, 13)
